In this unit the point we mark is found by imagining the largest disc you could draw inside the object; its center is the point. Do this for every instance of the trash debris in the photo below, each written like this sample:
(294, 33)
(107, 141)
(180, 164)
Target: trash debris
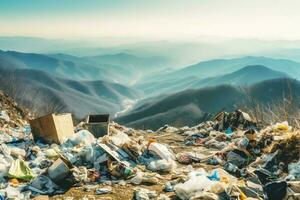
(276, 190)
(197, 182)
(144, 194)
(83, 137)
(20, 170)
(234, 120)
(58, 171)
(98, 125)
(105, 190)
(227, 158)
(4, 116)
(294, 171)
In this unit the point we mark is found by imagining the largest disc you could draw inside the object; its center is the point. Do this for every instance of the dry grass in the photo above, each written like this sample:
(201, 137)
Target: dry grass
(285, 109)
(38, 102)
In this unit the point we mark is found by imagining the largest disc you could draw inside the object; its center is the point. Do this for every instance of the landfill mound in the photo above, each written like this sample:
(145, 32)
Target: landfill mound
(226, 158)
(13, 120)
(11, 114)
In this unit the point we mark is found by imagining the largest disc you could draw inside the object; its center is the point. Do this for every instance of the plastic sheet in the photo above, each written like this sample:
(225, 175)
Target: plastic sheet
(20, 170)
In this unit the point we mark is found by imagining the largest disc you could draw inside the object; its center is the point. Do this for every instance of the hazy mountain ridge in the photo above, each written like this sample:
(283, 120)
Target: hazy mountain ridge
(206, 101)
(34, 88)
(91, 84)
(120, 68)
(224, 66)
(244, 76)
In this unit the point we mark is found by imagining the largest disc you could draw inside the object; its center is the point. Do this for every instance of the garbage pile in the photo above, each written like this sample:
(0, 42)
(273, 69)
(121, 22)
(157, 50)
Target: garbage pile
(226, 158)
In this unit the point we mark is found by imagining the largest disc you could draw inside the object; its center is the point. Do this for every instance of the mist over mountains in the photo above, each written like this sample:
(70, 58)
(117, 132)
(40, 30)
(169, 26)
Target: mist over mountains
(190, 107)
(145, 79)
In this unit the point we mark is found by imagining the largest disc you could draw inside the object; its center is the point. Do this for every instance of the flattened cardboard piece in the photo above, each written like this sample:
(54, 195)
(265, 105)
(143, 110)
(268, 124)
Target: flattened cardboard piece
(116, 153)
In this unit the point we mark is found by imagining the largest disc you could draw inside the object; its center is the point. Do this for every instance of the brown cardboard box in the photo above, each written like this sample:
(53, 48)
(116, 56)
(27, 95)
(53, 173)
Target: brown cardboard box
(53, 128)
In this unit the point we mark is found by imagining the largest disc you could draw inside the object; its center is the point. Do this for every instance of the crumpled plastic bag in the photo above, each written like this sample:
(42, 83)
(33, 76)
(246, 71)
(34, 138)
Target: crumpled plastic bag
(195, 185)
(144, 194)
(43, 185)
(82, 137)
(119, 139)
(161, 165)
(294, 170)
(204, 196)
(138, 178)
(162, 151)
(20, 170)
(4, 115)
(4, 167)
(283, 126)
(11, 192)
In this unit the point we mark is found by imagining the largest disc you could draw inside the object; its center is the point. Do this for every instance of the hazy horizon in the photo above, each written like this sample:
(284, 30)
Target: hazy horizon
(151, 20)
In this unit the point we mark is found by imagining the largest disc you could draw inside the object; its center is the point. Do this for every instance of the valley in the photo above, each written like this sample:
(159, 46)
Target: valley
(142, 91)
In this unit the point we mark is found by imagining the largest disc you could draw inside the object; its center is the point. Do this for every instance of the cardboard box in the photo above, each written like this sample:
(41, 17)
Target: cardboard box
(53, 128)
(98, 125)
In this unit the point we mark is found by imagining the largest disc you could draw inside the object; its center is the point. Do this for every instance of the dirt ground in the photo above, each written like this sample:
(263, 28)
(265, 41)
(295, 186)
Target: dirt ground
(119, 192)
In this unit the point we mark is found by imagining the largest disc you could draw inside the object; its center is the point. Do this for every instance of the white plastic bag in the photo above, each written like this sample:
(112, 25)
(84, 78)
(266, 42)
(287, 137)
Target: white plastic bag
(120, 139)
(138, 178)
(4, 115)
(294, 170)
(162, 151)
(194, 185)
(4, 166)
(82, 137)
(161, 165)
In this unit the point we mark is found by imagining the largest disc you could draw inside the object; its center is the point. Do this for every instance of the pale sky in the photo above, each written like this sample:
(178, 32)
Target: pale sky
(154, 19)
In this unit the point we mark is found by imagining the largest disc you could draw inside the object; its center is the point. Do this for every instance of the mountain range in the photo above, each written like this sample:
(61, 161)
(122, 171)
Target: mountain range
(112, 83)
(243, 76)
(43, 92)
(193, 106)
(120, 68)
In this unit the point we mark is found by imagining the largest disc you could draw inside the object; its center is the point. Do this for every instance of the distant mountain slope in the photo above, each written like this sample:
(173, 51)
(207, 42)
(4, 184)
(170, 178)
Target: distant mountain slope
(129, 60)
(218, 67)
(176, 106)
(245, 76)
(223, 66)
(119, 68)
(193, 106)
(56, 67)
(130, 66)
(34, 87)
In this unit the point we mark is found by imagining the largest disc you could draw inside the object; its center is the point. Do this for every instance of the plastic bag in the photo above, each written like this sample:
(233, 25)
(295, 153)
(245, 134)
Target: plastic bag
(43, 185)
(119, 139)
(144, 194)
(105, 190)
(204, 196)
(4, 115)
(294, 170)
(138, 178)
(283, 126)
(17, 152)
(87, 153)
(161, 165)
(20, 170)
(191, 187)
(82, 137)
(4, 166)
(214, 176)
(51, 153)
(162, 151)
